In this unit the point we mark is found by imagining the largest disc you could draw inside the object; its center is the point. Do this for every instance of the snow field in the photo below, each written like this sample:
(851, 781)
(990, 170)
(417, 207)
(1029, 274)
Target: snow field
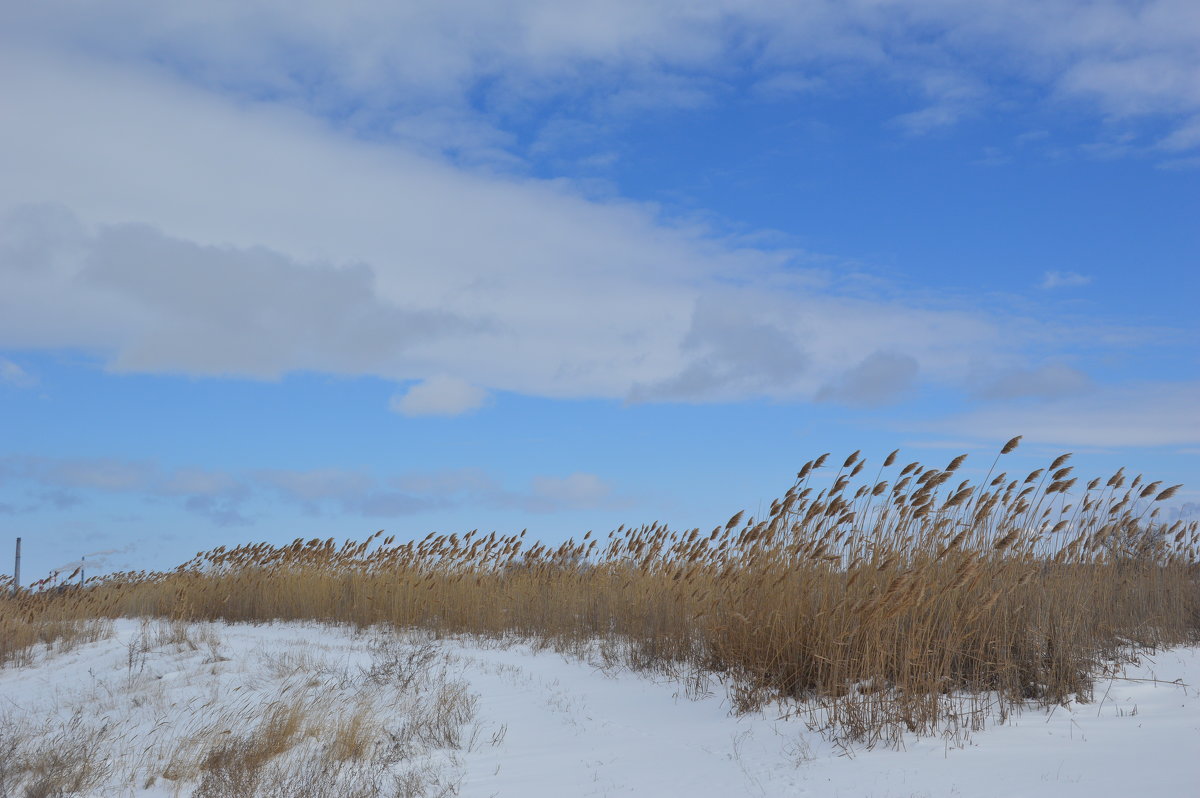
(375, 713)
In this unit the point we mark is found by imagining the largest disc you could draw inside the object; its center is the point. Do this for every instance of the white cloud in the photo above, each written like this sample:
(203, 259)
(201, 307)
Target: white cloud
(1051, 280)
(266, 243)
(395, 62)
(12, 374)
(1143, 84)
(440, 395)
(235, 230)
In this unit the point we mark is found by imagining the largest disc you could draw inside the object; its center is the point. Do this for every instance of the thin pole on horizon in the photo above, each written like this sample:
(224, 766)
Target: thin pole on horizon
(17, 569)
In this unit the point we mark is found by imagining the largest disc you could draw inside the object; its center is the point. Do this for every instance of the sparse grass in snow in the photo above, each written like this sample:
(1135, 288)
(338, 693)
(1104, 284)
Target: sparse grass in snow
(504, 719)
(172, 710)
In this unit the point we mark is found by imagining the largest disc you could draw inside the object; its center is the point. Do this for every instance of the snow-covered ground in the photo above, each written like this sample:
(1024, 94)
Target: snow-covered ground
(529, 724)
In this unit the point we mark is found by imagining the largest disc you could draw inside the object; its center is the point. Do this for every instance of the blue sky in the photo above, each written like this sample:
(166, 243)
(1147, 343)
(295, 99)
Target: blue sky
(271, 270)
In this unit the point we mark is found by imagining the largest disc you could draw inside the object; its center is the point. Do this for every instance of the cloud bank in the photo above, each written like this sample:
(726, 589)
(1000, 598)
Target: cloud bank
(289, 198)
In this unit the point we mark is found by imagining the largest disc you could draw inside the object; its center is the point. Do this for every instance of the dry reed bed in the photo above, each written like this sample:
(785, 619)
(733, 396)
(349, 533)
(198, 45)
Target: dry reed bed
(908, 601)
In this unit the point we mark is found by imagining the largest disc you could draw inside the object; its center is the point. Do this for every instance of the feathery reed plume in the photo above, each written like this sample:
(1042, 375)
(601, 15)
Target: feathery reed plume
(1058, 461)
(1168, 493)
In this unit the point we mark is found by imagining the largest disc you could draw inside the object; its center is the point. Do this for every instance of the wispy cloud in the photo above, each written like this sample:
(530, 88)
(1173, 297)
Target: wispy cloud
(1145, 414)
(1185, 137)
(226, 498)
(952, 96)
(13, 374)
(1180, 164)
(788, 84)
(477, 62)
(356, 492)
(1056, 279)
(574, 491)
(62, 483)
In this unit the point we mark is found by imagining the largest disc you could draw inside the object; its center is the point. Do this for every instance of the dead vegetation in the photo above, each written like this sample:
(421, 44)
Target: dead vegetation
(906, 600)
(288, 721)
